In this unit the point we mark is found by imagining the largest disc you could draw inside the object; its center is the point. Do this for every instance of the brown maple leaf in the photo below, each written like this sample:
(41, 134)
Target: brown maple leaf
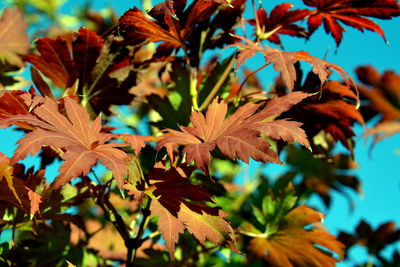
(81, 140)
(14, 41)
(293, 246)
(351, 13)
(381, 95)
(239, 135)
(284, 61)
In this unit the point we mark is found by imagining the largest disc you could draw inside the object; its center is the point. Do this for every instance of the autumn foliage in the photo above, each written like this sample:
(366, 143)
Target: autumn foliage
(149, 133)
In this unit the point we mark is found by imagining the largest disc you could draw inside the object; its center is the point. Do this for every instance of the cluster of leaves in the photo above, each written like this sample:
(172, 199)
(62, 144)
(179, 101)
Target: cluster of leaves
(173, 178)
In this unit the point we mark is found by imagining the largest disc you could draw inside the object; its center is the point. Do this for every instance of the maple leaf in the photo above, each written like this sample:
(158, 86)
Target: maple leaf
(381, 95)
(54, 61)
(104, 78)
(381, 92)
(35, 200)
(170, 226)
(374, 240)
(284, 61)
(14, 42)
(13, 189)
(239, 135)
(351, 13)
(331, 113)
(280, 21)
(173, 25)
(40, 84)
(180, 205)
(81, 139)
(292, 245)
(137, 142)
(17, 103)
(139, 28)
(383, 130)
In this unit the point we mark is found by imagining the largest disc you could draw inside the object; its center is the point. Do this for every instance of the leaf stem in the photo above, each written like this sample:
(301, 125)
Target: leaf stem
(250, 75)
(218, 85)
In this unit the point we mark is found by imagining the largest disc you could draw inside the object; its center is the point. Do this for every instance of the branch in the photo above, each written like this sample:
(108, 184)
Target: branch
(134, 243)
(218, 85)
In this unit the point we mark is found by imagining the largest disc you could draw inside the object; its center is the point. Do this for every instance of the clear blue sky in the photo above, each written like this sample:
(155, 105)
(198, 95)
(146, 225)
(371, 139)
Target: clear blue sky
(379, 175)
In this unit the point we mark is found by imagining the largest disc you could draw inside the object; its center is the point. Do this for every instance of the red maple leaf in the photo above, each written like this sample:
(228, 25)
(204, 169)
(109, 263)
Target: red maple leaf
(239, 135)
(54, 61)
(351, 13)
(89, 61)
(173, 24)
(333, 111)
(79, 140)
(138, 28)
(280, 21)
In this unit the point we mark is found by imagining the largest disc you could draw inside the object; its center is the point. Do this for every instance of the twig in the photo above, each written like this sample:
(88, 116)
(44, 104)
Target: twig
(218, 85)
(136, 242)
(250, 75)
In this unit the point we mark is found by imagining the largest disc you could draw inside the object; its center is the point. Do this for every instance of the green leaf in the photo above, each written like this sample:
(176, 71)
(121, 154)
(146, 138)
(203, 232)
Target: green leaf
(259, 215)
(268, 206)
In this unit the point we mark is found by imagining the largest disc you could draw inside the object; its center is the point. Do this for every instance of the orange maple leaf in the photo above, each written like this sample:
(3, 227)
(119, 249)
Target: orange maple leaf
(293, 246)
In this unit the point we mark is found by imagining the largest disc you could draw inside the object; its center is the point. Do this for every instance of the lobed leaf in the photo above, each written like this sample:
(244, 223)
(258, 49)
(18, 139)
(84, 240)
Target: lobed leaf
(14, 42)
(291, 245)
(351, 13)
(280, 21)
(238, 135)
(81, 139)
(180, 205)
(284, 61)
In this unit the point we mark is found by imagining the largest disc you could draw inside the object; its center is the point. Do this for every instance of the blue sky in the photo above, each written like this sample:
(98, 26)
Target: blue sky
(378, 172)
